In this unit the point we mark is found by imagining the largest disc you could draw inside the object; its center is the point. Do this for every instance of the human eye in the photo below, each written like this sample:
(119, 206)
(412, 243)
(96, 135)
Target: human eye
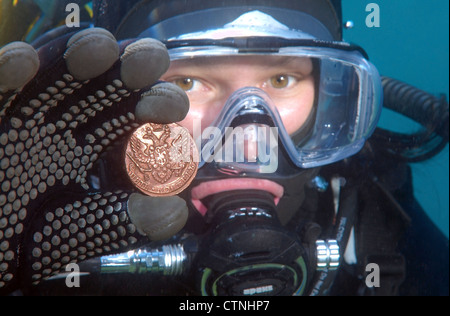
(279, 81)
(283, 81)
(187, 84)
(197, 89)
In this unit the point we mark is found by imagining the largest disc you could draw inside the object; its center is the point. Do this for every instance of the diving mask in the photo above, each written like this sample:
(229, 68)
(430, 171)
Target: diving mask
(341, 116)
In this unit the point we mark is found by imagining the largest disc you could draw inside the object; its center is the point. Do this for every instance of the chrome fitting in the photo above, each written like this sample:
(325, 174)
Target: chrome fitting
(169, 260)
(327, 254)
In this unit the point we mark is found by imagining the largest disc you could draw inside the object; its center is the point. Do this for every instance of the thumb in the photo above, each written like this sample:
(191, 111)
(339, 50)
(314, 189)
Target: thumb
(157, 217)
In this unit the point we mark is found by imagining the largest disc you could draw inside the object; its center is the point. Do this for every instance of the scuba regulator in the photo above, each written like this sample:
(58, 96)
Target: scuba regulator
(246, 251)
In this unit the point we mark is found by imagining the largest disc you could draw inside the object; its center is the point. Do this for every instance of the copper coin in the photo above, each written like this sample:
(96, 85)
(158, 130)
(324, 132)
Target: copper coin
(161, 159)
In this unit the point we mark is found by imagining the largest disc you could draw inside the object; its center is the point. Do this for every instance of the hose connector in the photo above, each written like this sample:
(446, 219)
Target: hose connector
(167, 260)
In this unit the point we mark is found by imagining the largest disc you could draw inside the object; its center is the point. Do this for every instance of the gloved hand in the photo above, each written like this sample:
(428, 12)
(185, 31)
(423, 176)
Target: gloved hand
(66, 113)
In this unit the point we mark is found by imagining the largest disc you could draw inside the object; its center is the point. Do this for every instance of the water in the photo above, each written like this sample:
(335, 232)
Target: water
(411, 44)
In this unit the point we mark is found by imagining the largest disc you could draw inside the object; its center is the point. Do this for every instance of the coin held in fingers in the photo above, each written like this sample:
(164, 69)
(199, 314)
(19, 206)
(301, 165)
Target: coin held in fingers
(161, 159)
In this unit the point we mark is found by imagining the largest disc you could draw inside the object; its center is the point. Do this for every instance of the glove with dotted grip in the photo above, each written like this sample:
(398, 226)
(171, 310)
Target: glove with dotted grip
(66, 110)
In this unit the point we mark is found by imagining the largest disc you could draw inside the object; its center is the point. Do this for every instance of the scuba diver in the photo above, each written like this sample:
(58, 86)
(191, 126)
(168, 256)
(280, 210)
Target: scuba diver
(298, 192)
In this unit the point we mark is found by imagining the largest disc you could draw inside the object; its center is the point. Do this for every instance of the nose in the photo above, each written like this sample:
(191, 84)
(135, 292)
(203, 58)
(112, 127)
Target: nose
(249, 142)
(250, 148)
(207, 113)
(237, 79)
(246, 142)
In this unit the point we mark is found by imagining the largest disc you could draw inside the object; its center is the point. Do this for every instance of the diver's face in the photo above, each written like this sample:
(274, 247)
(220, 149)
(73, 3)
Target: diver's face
(209, 82)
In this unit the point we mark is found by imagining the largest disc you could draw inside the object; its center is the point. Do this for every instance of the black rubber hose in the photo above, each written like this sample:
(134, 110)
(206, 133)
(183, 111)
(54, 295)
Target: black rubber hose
(420, 106)
(429, 111)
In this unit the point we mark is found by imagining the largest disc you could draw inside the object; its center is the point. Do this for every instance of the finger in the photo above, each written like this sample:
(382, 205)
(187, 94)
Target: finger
(143, 62)
(19, 63)
(66, 66)
(164, 103)
(90, 53)
(158, 218)
(93, 51)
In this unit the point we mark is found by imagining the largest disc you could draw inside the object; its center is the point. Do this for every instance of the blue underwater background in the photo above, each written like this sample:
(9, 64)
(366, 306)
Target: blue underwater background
(411, 44)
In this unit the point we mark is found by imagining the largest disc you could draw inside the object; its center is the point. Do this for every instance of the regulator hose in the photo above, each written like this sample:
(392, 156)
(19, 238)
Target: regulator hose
(428, 110)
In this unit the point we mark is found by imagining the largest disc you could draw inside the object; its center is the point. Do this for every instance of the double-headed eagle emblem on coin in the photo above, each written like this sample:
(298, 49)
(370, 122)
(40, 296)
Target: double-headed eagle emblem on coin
(161, 159)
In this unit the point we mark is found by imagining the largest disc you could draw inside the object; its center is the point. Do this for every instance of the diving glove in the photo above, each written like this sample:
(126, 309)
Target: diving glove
(66, 110)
